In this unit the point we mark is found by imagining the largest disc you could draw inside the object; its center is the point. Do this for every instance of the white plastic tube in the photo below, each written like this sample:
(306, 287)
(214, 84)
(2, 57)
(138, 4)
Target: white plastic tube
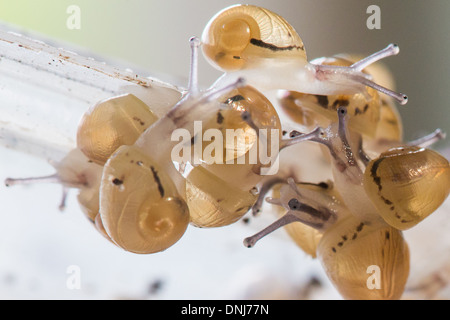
(44, 91)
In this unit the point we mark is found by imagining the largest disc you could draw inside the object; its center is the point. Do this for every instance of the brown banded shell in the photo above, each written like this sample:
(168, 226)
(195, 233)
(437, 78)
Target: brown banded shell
(407, 184)
(242, 36)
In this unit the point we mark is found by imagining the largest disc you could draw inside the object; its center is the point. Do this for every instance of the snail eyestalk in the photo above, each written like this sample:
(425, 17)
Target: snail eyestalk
(62, 204)
(399, 97)
(288, 218)
(390, 50)
(429, 139)
(265, 188)
(247, 117)
(343, 134)
(362, 154)
(193, 76)
(296, 137)
(354, 72)
(54, 178)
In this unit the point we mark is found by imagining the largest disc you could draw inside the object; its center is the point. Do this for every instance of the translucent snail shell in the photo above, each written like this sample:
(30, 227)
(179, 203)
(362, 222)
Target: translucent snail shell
(242, 36)
(235, 102)
(218, 194)
(407, 184)
(348, 251)
(112, 123)
(214, 203)
(139, 205)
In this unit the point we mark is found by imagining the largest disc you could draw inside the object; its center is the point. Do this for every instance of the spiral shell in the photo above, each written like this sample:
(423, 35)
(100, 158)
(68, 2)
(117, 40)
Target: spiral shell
(139, 205)
(242, 36)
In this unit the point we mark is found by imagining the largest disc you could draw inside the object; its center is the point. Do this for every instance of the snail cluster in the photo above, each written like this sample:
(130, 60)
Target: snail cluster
(342, 111)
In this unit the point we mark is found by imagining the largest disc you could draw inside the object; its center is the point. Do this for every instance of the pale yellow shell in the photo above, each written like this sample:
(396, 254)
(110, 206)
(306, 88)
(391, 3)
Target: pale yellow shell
(218, 194)
(241, 163)
(139, 205)
(112, 123)
(238, 136)
(242, 36)
(350, 251)
(214, 203)
(407, 184)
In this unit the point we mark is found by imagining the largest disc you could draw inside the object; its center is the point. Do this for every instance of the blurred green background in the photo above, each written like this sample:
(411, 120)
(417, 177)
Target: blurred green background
(152, 36)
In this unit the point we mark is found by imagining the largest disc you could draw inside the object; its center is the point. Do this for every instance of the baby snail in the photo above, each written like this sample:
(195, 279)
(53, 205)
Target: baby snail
(146, 226)
(408, 170)
(350, 251)
(219, 192)
(374, 117)
(390, 127)
(104, 128)
(75, 170)
(345, 246)
(256, 44)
